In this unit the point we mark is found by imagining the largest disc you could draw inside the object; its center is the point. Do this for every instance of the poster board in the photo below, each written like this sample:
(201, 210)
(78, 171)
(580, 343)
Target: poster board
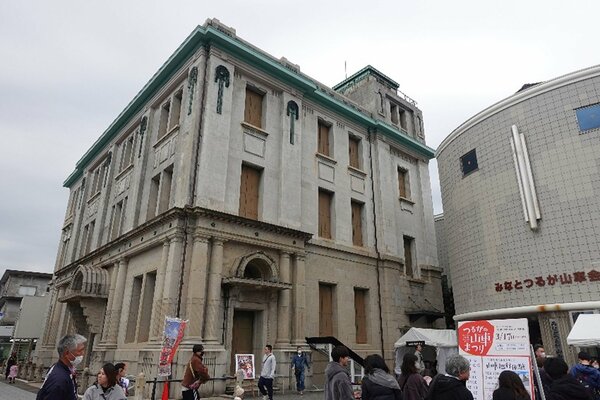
(172, 335)
(493, 346)
(245, 362)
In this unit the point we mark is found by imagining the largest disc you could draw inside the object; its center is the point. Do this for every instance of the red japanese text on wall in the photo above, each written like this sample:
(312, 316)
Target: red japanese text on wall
(550, 280)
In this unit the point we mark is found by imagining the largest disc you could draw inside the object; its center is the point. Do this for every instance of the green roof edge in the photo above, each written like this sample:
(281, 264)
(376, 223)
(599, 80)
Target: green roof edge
(211, 35)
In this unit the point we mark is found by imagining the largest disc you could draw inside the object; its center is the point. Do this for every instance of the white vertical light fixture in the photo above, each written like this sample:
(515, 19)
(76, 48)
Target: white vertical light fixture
(531, 208)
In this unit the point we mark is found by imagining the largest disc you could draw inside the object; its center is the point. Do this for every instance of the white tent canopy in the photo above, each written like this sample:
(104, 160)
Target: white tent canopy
(444, 341)
(585, 331)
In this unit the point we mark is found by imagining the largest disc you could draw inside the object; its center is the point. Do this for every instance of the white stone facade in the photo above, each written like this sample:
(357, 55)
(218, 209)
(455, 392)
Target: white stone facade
(163, 236)
(512, 256)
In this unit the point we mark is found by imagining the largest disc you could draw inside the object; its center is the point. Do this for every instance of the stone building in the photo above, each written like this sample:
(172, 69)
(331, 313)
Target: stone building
(521, 199)
(264, 207)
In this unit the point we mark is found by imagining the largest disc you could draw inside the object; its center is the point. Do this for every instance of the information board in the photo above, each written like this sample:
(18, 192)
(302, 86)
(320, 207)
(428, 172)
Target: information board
(493, 346)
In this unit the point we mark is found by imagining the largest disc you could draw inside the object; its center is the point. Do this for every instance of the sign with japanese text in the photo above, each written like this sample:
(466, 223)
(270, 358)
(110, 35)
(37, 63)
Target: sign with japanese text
(493, 346)
(565, 278)
(172, 335)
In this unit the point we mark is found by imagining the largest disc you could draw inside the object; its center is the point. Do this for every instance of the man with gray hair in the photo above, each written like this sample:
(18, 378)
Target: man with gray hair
(453, 385)
(60, 381)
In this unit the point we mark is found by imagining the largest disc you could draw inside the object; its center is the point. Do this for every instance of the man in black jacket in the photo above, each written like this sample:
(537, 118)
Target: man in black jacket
(453, 385)
(564, 386)
(60, 382)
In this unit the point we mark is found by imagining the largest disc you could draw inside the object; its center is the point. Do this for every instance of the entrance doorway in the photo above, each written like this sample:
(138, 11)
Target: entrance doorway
(242, 340)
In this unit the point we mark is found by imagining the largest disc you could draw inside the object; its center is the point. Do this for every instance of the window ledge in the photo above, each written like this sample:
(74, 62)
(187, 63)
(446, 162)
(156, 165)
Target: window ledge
(325, 158)
(166, 136)
(255, 129)
(406, 200)
(357, 171)
(420, 281)
(124, 172)
(94, 197)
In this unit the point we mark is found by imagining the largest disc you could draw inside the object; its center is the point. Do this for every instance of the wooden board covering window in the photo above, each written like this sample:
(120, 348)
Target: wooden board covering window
(403, 186)
(324, 214)
(360, 315)
(357, 239)
(250, 181)
(325, 310)
(253, 110)
(353, 152)
(408, 258)
(242, 340)
(323, 145)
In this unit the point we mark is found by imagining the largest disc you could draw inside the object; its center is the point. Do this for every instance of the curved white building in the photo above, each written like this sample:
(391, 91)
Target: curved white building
(521, 192)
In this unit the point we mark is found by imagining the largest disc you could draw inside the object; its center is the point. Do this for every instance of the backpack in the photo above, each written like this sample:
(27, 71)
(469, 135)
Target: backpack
(584, 380)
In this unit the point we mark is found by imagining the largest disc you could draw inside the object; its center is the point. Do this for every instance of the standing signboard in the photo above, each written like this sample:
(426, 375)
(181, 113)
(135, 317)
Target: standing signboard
(493, 346)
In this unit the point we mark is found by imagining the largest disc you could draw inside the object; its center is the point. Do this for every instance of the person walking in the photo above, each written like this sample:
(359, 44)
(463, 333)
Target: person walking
(419, 355)
(299, 361)
(510, 387)
(377, 383)
(106, 386)
(453, 385)
(586, 374)
(14, 371)
(195, 374)
(267, 373)
(121, 379)
(564, 386)
(337, 380)
(60, 382)
(12, 360)
(412, 384)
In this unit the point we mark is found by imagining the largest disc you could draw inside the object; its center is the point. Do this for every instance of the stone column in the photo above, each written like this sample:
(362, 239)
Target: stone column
(299, 300)
(196, 294)
(117, 310)
(54, 321)
(283, 302)
(157, 314)
(213, 300)
(172, 276)
(108, 316)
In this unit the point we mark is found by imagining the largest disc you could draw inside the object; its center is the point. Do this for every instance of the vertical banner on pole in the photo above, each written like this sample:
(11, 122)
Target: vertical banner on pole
(493, 346)
(172, 335)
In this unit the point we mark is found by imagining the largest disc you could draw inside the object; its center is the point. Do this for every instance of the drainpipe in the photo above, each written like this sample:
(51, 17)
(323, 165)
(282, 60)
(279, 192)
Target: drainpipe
(378, 260)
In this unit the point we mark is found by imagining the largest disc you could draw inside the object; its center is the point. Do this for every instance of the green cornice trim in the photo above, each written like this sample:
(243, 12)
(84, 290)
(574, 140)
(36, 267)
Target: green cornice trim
(211, 36)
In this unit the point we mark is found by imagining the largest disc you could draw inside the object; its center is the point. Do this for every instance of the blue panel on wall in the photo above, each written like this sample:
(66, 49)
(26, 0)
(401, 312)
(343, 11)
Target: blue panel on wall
(588, 117)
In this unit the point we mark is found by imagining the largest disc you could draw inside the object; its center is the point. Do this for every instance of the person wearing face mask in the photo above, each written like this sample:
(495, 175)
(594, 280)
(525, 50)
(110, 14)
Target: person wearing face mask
(540, 357)
(60, 383)
(195, 374)
(299, 361)
(106, 387)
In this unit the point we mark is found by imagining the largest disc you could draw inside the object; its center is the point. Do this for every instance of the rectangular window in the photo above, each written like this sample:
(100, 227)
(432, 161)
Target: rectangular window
(394, 113)
(408, 255)
(468, 162)
(249, 192)
(253, 109)
(357, 237)
(325, 310)
(117, 219)
(27, 290)
(403, 117)
(134, 307)
(360, 315)
(165, 190)
(323, 146)
(175, 110)
(146, 307)
(588, 117)
(403, 183)
(126, 152)
(153, 198)
(325, 200)
(353, 151)
(164, 119)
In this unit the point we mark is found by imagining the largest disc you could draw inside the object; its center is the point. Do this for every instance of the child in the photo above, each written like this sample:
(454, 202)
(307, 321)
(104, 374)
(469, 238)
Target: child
(238, 393)
(14, 371)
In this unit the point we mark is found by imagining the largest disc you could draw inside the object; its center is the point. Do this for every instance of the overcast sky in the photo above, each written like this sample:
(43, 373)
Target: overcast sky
(67, 68)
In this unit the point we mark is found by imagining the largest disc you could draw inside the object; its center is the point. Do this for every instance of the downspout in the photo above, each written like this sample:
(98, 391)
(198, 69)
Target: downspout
(191, 199)
(378, 260)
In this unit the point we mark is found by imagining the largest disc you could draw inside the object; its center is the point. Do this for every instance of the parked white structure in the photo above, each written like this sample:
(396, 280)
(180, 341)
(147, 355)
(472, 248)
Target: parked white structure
(259, 204)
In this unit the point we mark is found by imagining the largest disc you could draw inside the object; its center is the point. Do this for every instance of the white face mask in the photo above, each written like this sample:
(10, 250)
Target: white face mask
(299, 353)
(78, 360)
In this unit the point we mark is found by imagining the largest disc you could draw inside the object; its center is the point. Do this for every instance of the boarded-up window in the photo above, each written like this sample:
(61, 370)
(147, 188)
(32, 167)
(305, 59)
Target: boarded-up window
(249, 185)
(165, 190)
(153, 198)
(117, 219)
(323, 139)
(408, 255)
(253, 110)
(360, 314)
(134, 307)
(394, 113)
(164, 119)
(357, 238)
(353, 145)
(175, 110)
(325, 214)
(325, 310)
(146, 307)
(403, 183)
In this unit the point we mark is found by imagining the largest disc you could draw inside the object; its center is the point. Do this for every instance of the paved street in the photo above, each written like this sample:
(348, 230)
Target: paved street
(17, 391)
